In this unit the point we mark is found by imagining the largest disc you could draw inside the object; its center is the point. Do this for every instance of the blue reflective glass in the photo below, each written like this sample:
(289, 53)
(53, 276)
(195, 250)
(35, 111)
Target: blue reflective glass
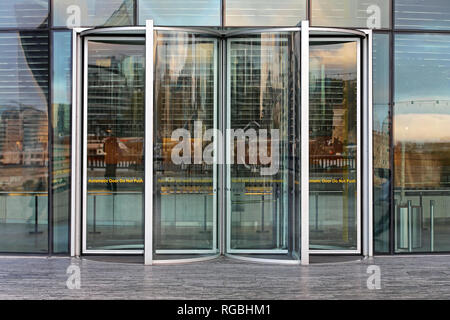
(422, 14)
(180, 12)
(23, 13)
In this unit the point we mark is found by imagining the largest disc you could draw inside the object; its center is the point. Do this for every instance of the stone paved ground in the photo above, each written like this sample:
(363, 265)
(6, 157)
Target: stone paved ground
(410, 277)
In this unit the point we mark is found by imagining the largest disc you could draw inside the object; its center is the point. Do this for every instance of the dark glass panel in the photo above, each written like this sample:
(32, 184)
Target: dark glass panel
(62, 136)
(381, 142)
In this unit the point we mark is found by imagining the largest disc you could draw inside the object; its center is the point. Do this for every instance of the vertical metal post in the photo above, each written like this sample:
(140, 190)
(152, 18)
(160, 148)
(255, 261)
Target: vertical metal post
(409, 226)
(304, 143)
(148, 196)
(432, 225)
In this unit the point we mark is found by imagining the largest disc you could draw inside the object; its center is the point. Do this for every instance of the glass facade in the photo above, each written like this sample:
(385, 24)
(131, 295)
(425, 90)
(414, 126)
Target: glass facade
(24, 157)
(373, 14)
(422, 14)
(410, 127)
(264, 12)
(422, 142)
(180, 12)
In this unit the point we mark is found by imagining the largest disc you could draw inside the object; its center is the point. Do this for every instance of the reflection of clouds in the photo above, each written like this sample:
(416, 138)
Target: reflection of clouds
(339, 58)
(417, 127)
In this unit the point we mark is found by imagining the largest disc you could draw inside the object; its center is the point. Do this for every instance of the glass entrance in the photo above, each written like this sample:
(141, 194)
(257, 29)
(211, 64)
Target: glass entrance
(113, 145)
(227, 165)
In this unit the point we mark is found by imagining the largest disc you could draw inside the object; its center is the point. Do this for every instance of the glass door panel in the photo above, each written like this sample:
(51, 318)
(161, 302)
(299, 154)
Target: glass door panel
(185, 173)
(334, 145)
(262, 136)
(113, 145)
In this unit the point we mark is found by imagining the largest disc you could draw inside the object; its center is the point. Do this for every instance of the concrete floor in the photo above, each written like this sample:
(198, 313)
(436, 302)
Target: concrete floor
(402, 277)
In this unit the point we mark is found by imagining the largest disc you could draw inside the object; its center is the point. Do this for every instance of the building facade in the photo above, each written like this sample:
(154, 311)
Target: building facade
(263, 130)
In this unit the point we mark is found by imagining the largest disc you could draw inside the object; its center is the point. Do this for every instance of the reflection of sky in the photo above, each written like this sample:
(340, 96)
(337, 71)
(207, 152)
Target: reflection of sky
(422, 67)
(62, 71)
(422, 14)
(422, 88)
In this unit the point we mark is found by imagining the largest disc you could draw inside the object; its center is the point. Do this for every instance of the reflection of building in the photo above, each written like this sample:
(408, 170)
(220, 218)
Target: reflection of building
(24, 137)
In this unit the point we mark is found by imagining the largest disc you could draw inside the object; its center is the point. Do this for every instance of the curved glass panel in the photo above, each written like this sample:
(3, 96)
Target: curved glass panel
(114, 158)
(185, 170)
(262, 140)
(333, 145)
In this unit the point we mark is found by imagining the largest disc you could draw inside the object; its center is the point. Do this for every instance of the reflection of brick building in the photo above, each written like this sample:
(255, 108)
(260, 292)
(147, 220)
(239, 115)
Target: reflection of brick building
(426, 165)
(24, 137)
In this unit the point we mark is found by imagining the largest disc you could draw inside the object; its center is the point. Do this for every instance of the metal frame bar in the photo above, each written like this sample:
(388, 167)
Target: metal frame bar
(304, 138)
(149, 110)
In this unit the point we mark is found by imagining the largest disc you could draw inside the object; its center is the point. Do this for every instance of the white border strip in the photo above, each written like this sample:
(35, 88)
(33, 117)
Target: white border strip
(148, 200)
(304, 257)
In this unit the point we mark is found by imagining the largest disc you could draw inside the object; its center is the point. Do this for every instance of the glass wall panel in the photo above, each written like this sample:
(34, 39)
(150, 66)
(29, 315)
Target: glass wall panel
(180, 12)
(422, 14)
(61, 125)
(185, 172)
(333, 145)
(263, 215)
(114, 146)
(264, 12)
(371, 14)
(422, 142)
(87, 13)
(23, 13)
(23, 142)
(381, 142)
